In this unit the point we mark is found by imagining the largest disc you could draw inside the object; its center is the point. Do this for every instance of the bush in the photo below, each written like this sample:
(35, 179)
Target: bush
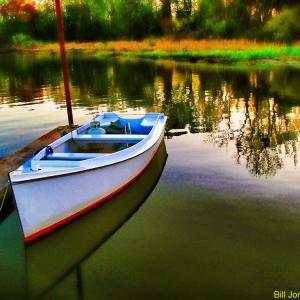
(219, 29)
(285, 26)
(19, 38)
(23, 40)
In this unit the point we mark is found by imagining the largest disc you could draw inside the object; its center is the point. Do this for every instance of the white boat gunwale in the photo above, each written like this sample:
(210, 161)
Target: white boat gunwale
(81, 171)
(18, 177)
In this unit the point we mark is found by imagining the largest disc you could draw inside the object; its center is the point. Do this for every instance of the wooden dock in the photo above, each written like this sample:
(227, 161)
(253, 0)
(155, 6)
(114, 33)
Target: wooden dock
(17, 158)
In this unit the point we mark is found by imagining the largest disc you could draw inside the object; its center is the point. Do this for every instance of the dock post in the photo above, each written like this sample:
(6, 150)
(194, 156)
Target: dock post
(64, 60)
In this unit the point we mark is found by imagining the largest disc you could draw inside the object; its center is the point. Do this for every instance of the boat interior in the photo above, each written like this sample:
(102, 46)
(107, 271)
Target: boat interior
(107, 133)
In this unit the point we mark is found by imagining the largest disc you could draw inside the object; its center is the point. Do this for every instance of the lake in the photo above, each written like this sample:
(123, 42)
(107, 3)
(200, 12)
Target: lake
(219, 219)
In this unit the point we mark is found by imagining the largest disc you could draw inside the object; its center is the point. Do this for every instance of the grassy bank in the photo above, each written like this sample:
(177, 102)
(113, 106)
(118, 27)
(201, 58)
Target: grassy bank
(203, 50)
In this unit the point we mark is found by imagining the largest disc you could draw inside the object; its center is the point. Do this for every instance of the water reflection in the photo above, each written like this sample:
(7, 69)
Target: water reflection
(48, 263)
(255, 112)
(263, 137)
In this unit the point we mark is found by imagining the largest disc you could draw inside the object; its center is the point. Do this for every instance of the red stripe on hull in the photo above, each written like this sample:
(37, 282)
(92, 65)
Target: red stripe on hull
(49, 228)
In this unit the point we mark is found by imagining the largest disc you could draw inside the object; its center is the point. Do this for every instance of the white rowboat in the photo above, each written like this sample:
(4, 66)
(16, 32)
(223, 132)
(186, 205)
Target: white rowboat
(84, 168)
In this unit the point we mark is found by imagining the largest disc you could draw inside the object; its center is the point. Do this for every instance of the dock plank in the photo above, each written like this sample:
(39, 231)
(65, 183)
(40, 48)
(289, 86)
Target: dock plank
(14, 160)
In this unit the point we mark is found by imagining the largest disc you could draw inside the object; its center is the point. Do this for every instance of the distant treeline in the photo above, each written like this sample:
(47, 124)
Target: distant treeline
(94, 20)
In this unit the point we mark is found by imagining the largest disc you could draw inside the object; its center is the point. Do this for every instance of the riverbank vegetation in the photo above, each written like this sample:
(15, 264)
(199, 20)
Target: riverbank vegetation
(197, 29)
(223, 51)
(209, 50)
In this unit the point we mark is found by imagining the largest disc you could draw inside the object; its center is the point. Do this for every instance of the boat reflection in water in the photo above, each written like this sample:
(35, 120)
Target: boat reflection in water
(50, 260)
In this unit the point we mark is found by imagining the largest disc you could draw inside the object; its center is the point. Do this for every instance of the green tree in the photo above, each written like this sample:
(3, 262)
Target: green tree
(285, 26)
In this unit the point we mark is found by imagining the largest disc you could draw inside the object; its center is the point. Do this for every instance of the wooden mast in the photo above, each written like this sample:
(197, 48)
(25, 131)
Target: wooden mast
(64, 60)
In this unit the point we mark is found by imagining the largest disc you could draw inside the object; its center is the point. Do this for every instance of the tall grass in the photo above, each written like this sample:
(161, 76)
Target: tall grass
(232, 55)
(230, 50)
(233, 50)
(185, 45)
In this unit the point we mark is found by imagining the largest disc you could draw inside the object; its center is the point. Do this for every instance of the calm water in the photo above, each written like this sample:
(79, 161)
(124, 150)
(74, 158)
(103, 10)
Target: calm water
(223, 222)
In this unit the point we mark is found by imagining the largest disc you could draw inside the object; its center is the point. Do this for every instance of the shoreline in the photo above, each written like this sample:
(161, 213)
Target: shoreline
(208, 51)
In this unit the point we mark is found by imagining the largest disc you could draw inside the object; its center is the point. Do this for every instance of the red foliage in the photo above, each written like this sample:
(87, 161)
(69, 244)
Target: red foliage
(18, 9)
(30, 7)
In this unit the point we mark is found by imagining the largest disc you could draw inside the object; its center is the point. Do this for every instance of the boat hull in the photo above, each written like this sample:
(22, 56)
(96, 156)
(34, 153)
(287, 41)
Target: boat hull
(51, 258)
(46, 204)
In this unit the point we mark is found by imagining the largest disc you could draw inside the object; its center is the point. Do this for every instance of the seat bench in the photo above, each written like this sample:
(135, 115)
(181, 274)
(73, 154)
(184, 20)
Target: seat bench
(110, 137)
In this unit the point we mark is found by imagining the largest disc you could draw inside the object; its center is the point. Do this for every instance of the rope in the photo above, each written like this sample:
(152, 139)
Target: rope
(3, 199)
